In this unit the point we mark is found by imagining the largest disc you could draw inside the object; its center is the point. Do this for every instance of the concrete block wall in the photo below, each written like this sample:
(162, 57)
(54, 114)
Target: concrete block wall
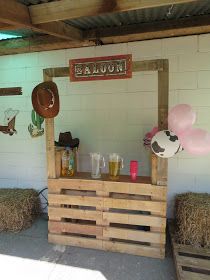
(108, 116)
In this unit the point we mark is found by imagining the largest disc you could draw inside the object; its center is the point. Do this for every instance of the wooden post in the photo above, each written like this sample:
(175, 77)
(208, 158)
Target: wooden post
(159, 165)
(163, 93)
(49, 134)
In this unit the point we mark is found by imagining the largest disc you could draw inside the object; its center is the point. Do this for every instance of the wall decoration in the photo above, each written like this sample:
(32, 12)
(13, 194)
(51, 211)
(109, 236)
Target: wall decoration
(10, 91)
(9, 122)
(36, 129)
(101, 68)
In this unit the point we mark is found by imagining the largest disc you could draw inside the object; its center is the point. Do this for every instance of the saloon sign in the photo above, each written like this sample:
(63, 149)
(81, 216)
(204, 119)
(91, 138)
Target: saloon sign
(101, 68)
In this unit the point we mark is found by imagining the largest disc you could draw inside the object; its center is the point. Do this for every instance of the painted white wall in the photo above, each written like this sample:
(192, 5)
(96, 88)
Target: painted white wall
(108, 116)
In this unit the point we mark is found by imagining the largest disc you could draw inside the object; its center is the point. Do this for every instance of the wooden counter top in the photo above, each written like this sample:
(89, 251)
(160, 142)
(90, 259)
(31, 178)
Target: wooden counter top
(105, 177)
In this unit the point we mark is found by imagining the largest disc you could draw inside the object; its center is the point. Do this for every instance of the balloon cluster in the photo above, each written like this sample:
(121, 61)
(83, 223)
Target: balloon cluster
(181, 134)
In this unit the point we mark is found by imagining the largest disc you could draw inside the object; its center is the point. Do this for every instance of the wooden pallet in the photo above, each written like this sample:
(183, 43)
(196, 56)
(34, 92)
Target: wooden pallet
(191, 263)
(115, 216)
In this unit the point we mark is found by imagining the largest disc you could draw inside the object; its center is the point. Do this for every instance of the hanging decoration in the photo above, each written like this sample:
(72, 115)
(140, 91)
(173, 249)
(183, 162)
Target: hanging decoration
(181, 118)
(182, 134)
(148, 137)
(36, 129)
(9, 122)
(165, 144)
(196, 141)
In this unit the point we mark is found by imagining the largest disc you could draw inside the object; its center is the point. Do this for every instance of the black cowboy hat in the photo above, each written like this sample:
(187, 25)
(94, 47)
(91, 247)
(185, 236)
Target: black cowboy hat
(66, 140)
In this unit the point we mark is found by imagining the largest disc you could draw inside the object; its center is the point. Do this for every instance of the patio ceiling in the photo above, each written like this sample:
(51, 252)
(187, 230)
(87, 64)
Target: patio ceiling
(59, 24)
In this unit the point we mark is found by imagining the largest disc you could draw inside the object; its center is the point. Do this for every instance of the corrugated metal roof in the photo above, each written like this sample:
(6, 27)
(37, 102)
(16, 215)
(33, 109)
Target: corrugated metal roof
(151, 15)
(143, 16)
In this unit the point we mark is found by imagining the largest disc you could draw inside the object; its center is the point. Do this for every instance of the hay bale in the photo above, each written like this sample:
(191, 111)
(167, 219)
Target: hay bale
(18, 209)
(192, 214)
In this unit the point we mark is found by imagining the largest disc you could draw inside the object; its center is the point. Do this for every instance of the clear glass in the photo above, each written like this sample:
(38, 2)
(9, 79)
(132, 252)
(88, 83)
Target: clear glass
(115, 164)
(97, 163)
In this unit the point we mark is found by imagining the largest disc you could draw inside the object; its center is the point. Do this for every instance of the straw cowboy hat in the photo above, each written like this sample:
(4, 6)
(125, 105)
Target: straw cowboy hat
(45, 99)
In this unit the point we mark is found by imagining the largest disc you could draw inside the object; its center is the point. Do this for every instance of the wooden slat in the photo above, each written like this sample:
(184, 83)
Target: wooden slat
(135, 235)
(67, 227)
(134, 249)
(75, 241)
(193, 262)
(55, 212)
(187, 275)
(188, 249)
(139, 250)
(154, 206)
(129, 219)
(74, 184)
(65, 9)
(137, 189)
(58, 199)
(15, 13)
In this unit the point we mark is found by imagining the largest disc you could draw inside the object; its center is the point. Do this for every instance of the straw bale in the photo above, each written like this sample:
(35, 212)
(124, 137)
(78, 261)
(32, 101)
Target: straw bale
(192, 214)
(18, 209)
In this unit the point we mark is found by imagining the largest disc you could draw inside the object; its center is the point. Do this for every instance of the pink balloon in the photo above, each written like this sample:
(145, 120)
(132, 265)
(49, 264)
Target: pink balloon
(181, 118)
(195, 141)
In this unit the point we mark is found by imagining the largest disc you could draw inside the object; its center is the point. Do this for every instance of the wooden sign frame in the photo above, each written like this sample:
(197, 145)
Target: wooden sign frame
(101, 68)
(159, 165)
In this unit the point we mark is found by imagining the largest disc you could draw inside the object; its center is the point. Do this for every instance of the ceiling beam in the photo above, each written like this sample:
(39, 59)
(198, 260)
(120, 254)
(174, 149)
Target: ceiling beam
(71, 9)
(4, 27)
(162, 29)
(14, 13)
(38, 44)
(145, 31)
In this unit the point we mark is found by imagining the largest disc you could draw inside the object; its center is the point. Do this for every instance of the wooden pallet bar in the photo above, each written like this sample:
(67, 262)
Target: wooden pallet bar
(80, 213)
(120, 216)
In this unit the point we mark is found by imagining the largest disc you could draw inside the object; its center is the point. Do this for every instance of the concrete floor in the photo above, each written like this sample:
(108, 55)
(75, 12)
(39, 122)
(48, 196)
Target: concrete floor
(29, 256)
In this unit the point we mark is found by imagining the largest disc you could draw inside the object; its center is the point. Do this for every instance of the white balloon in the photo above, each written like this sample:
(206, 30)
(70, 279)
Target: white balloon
(165, 144)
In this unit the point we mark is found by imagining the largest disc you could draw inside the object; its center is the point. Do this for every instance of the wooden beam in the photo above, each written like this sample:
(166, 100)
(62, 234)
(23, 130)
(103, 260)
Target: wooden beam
(60, 29)
(66, 9)
(145, 31)
(4, 26)
(38, 44)
(14, 13)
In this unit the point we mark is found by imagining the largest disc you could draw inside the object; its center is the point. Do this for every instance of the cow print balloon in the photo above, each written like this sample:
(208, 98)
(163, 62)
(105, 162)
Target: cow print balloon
(165, 144)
